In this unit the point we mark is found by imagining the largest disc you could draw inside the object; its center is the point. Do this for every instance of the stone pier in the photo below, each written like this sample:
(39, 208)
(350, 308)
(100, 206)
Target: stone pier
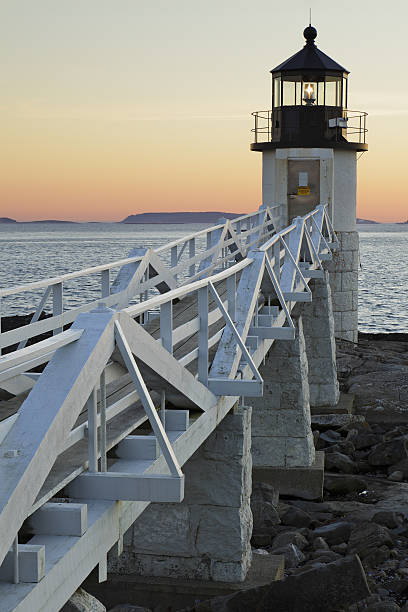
(343, 272)
(207, 536)
(318, 328)
(281, 432)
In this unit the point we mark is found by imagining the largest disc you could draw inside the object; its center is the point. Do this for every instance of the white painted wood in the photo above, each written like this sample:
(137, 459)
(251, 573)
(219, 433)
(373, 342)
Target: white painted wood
(138, 447)
(273, 333)
(202, 298)
(147, 402)
(92, 431)
(103, 569)
(38, 311)
(177, 420)
(128, 487)
(63, 519)
(6, 425)
(31, 564)
(48, 415)
(150, 352)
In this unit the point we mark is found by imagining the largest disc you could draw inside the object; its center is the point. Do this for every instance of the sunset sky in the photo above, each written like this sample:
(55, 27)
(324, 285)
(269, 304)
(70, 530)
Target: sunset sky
(112, 107)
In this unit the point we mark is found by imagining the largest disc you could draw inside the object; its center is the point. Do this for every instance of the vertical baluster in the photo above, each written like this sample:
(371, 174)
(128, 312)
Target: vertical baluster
(105, 283)
(163, 408)
(57, 305)
(146, 297)
(203, 335)
(173, 255)
(16, 569)
(1, 305)
(166, 325)
(191, 252)
(231, 295)
(92, 432)
(276, 253)
(102, 411)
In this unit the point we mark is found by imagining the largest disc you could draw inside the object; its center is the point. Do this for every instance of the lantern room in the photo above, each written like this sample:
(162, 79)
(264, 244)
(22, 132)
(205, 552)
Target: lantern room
(309, 104)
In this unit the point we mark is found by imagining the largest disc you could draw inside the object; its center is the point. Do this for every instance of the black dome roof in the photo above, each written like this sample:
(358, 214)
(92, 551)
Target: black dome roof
(309, 58)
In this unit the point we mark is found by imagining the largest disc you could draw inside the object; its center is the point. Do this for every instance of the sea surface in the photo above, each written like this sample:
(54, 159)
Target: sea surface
(31, 252)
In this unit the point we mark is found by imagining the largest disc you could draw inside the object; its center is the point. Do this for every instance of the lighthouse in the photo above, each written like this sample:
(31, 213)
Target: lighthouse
(310, 143)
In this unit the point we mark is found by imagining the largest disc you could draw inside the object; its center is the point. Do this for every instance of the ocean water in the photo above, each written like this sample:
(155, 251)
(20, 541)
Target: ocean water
(31, 252)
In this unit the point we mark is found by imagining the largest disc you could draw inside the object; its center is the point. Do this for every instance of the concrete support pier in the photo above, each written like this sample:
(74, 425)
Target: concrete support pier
(281, 432)
(318, 328)
(207, 536)
(343, 272)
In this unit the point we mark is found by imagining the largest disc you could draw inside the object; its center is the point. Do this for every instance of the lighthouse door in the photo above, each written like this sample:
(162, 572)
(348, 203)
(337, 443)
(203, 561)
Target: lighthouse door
(303, 186)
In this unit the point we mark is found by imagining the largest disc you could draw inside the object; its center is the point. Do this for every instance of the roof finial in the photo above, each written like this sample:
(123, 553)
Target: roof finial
(310, 16)
(310, 33)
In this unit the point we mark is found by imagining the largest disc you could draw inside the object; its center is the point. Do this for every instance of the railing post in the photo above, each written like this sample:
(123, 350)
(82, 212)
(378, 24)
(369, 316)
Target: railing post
(203, 335)
(16, 569)
(92, 432)
(276, 254)
(191, 252)
(231, 295)
(173, 258)
(166, 326)
(57, 304)
(105, 283)
(102, 412)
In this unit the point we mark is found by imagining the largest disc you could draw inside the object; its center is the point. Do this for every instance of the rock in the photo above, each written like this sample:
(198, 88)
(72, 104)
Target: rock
(344, 484)
(293, 556)
(129, 608)
(295, 517)
(81, 601)
(388, 453)
(320, 544)
(340, 463)
(340, 548)
(370, 541)
(401, 466)
(325, 556)
(330, 436)
(289, 537)
(345, 446)
(311, 590)
(335, 533)
(264, 501)
(383, 606)
(327, 421)
(388, 519)
(365, 440)
(396, 586)
(396, 476)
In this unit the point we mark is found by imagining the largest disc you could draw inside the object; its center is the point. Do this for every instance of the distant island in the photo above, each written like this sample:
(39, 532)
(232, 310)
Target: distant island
(7, 220)
(403, 222)
(366, 221)
(179, 217)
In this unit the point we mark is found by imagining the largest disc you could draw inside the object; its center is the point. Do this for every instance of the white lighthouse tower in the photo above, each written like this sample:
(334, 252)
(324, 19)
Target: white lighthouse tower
(309, 143)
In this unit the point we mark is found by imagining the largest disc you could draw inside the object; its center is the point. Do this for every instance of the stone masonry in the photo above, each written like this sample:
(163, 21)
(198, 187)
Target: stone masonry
(207, 536)
(318, 329)
(343, 272)
(281, 432)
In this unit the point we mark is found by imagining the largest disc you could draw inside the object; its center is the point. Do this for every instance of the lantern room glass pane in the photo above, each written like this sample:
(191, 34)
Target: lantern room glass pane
(333, 91)
(288, 93)
(309, 92)
(276, 92)
(344, 103)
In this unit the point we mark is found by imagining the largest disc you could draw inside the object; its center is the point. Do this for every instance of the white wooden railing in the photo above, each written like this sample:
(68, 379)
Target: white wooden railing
(238, 302)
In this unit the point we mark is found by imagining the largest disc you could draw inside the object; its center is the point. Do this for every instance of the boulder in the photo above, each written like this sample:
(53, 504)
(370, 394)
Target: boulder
(388, 519)
(388, 453)
(338, 485)
(129, 608)
(81, 601)
(335, 533)
(340, 463)
(264, 501)
(365, 440)
(315, 589)
(296, 517)
(396, 476)
(289, 537)
(371, 542)
(325, 556)
(293, 556)
(383, 606)
(320, 544)
(345, 446)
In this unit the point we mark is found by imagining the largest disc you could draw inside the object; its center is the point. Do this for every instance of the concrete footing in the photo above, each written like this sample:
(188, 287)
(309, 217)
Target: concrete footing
(318, 329)
(304, 482)
(207, 536)
(179, 593)
(281, 432)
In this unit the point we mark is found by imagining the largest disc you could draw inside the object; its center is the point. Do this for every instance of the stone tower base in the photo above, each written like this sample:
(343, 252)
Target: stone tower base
(343, 270)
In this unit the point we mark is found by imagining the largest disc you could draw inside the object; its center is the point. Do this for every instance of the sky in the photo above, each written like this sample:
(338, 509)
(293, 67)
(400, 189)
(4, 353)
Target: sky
(114, 107)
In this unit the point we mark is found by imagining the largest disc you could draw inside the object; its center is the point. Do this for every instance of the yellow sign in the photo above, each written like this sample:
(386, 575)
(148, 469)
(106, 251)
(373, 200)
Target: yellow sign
(303, 191)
